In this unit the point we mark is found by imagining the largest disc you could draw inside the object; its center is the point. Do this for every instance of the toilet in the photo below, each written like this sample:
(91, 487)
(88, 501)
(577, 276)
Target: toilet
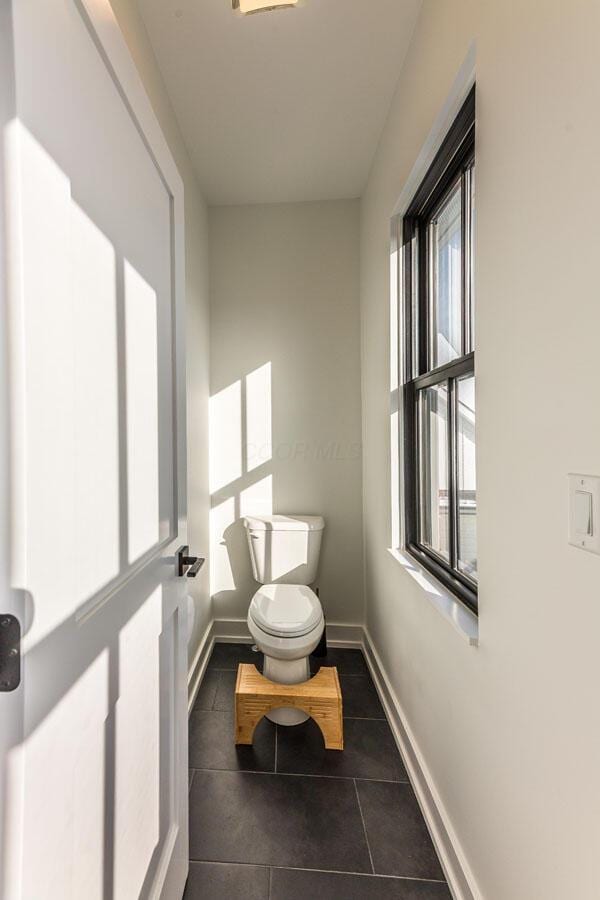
(285, 617)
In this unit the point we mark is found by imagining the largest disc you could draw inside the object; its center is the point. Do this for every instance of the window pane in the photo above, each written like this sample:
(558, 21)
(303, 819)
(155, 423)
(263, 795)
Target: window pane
(445, 233)
(414, 293)
(433, 440)
(467, 497)
(471, 282)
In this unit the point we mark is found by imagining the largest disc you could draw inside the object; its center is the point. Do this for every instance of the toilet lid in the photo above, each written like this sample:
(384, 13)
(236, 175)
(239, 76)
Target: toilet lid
(286, 610)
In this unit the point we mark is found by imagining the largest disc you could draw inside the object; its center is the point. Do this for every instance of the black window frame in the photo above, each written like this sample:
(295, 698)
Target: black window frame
(454, 160)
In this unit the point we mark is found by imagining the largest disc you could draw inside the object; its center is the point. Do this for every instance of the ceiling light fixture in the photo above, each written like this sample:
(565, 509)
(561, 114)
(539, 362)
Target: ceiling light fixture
(247, 7)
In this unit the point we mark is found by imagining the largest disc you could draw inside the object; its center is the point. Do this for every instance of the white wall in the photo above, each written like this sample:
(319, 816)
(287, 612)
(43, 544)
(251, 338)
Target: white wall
(510, 730)
(284, 305)
(197, 315)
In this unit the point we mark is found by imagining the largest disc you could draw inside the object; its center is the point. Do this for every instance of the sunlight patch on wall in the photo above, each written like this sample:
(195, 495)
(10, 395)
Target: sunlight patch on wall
(221, 574)
(257, 499)
(258, 417)
(240, 442)
(225, 450)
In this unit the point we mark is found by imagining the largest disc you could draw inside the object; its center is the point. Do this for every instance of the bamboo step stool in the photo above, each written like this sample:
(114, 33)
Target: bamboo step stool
(319, 697)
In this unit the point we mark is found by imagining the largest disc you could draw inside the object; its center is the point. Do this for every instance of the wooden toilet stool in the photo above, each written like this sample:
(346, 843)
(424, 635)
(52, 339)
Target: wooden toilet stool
(320, 698)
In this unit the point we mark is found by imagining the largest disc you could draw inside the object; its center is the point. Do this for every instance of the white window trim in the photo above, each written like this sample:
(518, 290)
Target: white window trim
(464, 620)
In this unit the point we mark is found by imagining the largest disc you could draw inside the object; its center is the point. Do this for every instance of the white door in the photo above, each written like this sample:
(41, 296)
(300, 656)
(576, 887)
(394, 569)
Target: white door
(93, 748)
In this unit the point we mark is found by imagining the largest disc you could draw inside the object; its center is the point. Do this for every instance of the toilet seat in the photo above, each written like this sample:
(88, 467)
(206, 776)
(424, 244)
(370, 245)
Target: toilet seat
(285, 611)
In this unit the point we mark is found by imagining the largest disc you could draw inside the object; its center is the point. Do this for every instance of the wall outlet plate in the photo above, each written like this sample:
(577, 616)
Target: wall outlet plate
(584, 512)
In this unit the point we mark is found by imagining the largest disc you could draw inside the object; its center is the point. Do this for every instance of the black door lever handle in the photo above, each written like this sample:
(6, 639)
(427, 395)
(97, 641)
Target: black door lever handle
(183, 561)
(197, 563)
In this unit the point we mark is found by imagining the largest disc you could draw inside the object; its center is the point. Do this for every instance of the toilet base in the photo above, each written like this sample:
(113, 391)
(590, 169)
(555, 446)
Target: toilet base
(286, 671)
(286, 716)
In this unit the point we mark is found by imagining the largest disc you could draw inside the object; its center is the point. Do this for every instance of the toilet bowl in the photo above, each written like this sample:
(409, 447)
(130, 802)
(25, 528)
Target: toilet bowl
(285, 617)
(286, 622)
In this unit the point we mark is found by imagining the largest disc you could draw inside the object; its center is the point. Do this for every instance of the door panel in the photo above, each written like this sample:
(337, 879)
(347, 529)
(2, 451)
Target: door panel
(63, 764)
(82, 159)
(96, 774)
(141, 375)
(137, 822)
(96, 446)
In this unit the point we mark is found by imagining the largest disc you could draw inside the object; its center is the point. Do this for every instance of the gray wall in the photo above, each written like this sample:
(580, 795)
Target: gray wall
(284, 291)
(509, 731)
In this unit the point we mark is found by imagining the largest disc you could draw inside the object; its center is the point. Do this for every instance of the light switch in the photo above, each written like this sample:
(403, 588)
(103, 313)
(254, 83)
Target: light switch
(583, 512)
(584, 509)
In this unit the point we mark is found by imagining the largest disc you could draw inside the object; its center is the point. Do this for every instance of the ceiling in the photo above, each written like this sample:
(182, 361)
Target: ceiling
(285, 105)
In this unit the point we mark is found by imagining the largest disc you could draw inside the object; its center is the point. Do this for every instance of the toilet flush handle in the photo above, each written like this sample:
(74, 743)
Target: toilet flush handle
(183, 561)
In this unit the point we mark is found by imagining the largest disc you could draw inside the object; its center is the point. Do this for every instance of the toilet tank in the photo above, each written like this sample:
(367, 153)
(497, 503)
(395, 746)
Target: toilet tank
(284, 549)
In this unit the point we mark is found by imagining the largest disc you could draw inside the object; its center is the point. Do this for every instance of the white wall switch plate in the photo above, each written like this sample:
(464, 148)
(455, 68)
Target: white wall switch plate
(584, 512)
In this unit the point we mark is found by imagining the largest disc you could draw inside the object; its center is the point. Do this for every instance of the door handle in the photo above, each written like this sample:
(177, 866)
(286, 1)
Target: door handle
(183, 561)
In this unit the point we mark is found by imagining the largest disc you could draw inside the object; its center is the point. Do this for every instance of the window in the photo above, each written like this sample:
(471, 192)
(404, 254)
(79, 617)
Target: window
(439, 364)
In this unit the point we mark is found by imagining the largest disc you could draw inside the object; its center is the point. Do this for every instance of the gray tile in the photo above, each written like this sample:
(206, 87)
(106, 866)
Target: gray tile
(219, 881)
(289, 884)
(212, 745)
(398, 837)
(229, 656)
(359, 697)
(281, 820)
(207, 691)
(348, 662)
(225, 694)
(369, 751)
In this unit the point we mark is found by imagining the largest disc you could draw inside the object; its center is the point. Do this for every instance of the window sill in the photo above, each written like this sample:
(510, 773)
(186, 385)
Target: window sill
(464, 620)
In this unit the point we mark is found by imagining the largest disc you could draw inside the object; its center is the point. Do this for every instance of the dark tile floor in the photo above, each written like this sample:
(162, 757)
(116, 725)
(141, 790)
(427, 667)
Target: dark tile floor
(287, 819)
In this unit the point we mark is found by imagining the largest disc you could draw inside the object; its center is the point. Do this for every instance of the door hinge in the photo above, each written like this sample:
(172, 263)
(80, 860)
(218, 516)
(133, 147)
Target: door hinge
(10, 652)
